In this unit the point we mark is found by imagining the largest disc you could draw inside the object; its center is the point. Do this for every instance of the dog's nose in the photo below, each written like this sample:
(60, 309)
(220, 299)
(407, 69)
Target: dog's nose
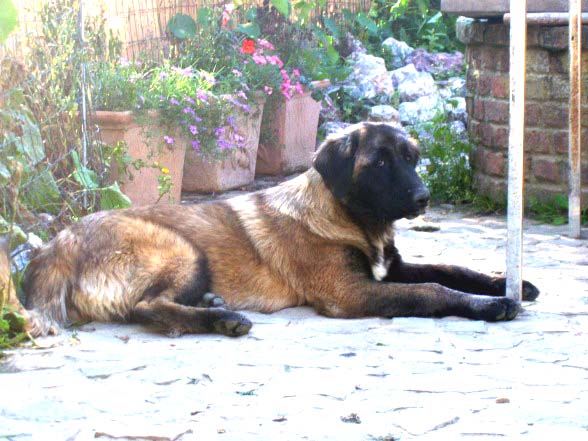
(421, 197)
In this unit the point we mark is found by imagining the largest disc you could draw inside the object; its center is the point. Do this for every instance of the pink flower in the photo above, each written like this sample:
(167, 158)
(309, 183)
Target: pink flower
(298, 88)
(296, 72)
(202, 95)
(168, 139)
(268, 90)
(237, 73)
(259, 59)
(242, 95)
(194, 130)
(266, 44)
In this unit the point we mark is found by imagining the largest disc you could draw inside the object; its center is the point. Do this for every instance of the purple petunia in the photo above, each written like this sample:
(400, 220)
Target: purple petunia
(196, 145)
(194, 130)
(168, 139)
(174, 101)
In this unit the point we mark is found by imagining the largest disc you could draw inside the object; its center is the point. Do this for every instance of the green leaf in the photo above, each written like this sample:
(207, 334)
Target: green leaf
(331, 26)
(367, 23)
(435, 18)
(83, 175)
(182, 26)
(303, 10)
(250, 29)
(42, 192)
(332, 54)
(8, 18)
(112, 198)
(204, 17)
(251, 15)
(282, 6)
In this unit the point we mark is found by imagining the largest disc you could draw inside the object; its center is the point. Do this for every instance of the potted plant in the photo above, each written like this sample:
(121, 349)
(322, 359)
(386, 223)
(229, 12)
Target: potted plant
(128, 116)
(289, 127)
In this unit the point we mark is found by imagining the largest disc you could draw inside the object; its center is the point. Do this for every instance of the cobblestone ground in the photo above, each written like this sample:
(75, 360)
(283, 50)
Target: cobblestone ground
(301, 376)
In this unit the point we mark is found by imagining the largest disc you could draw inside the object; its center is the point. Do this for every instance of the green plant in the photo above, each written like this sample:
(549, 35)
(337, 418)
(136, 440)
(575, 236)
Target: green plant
(419, 23)
(445, 154)
(8, 18)
(553, 210)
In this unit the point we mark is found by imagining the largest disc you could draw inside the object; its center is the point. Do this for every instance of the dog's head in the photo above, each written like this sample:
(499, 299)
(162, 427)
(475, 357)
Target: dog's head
(370, 169)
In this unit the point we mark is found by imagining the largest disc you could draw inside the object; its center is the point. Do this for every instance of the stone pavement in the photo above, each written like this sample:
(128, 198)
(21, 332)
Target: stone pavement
(299, 376)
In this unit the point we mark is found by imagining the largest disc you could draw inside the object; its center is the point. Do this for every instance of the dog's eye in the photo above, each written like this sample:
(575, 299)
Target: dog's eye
(380, 163)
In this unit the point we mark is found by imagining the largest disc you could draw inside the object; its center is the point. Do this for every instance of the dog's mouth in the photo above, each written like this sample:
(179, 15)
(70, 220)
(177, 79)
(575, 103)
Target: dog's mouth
(416, 213)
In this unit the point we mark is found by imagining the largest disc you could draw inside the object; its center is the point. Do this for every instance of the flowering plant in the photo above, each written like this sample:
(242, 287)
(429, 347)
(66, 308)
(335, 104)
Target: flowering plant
(186, 98)
(248, 64)
(264, 69)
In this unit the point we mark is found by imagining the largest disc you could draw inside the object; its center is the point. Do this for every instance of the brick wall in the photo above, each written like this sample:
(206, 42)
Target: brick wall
(546, 132)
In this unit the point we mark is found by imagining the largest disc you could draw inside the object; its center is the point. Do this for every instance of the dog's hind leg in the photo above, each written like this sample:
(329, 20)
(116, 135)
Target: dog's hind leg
(176, 319)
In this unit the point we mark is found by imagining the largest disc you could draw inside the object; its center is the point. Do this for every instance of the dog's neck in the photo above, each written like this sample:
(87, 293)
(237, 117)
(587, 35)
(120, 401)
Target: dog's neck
(307, 199)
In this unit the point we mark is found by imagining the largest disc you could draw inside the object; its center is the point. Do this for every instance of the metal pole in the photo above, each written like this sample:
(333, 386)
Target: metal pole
(547, 18)
(518, 50)
(84, 112)
(575, 52)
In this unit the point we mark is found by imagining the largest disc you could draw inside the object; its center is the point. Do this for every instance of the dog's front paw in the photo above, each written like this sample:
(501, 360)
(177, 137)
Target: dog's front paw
(530, 291)
(493, 309)
(232, 324)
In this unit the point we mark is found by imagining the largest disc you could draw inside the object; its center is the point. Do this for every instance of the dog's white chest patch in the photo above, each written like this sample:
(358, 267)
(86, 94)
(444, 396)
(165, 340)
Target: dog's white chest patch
(379, 268)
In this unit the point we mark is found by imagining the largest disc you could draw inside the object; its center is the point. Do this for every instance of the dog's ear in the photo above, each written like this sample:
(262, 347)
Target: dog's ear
(335, 160)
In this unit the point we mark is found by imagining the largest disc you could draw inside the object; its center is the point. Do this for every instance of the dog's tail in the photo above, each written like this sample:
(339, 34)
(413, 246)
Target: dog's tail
(35, 323)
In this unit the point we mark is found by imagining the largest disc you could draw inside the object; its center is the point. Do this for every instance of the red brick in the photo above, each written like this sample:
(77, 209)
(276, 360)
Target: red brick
(484, 85)
(485, 134)
(559, 63)
(496, 111)
(500, 87)
(495, 59)
(502, 61)
(547, 170)
(494, 164)
(553, 38)
(475, 58)
(561, 141)
(555, 115)
(538, 141)
(537, 61)
(501, 138)
(479, 112)
(533, 114)
(497, 34)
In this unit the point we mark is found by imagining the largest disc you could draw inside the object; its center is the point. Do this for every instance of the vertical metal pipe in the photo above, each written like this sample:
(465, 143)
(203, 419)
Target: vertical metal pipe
(518, 51)
(575, 52)
(84, 112)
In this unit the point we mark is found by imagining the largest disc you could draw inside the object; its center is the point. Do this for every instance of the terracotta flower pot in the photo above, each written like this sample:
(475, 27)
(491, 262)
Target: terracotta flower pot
(203, 175)
(144, 142)
(289, 134)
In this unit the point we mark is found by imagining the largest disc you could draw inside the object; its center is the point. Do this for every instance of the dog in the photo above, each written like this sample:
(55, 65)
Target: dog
(324, 238)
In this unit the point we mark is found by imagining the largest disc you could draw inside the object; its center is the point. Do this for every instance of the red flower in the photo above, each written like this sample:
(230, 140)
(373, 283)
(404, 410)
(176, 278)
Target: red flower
(248, 47)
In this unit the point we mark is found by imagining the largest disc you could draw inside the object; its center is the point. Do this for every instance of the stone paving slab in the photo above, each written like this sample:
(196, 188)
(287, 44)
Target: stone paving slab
(300, 376)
